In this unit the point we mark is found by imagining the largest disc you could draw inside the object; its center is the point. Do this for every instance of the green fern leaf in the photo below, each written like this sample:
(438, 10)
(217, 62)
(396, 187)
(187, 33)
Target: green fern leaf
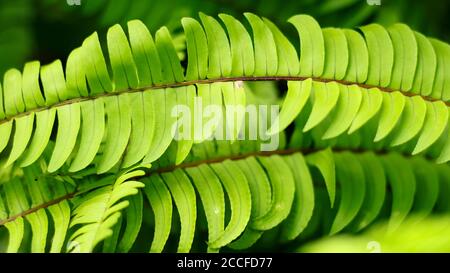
(98, 211)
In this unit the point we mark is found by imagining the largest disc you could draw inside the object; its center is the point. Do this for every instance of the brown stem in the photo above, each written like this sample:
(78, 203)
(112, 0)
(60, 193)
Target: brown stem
(207, 81)
(34, 209)
(260, 153)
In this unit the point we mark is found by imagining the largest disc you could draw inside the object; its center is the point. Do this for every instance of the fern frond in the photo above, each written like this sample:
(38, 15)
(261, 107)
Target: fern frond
(99, 210)
(256, 206)
(363, 176)
(100, 116)
(35, 199)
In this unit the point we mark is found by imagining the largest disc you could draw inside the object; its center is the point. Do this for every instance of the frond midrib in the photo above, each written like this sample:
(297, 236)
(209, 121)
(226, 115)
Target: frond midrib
(210, 81)
(304, 151)
(38, 207)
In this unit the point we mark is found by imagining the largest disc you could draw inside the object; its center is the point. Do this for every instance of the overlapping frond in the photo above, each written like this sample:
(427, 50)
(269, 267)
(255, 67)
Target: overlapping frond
(284, 191)
(63, 216)
(287, 191)
(39, 201)
(96, 212)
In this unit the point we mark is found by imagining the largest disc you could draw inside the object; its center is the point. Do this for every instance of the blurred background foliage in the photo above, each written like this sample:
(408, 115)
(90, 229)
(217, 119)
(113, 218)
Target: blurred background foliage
(50, 29)
(415, 235)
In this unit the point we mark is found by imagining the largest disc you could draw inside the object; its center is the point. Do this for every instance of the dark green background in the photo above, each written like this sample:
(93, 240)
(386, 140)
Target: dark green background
(49, 29)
